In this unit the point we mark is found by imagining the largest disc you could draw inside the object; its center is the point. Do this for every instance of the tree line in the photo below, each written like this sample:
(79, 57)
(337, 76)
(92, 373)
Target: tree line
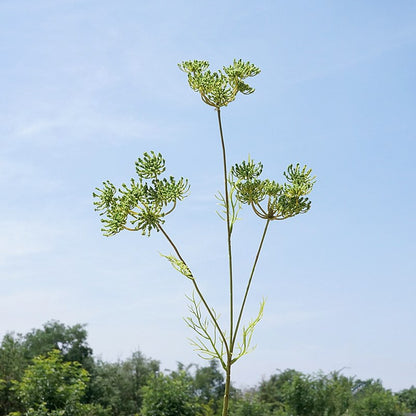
(52, 371)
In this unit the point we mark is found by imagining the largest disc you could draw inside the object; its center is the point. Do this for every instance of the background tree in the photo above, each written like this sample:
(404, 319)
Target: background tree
(249, 404)
(333, 393)
(272, 391)
(52, 386)
(171, 395)
(208, 385)
(408, 398)
(300, 396)
(308, 395)
(18, 351)
(12, 366)
(71, 341)
(371, 399)
(118, 386)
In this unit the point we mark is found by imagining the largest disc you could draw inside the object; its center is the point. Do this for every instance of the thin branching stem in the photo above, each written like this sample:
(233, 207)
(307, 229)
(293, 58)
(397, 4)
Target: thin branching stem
(226, 401)
(173, 207)
(227, 209)
(261, 214)
(130, 229)
(230, 266)
(234, 336)
(211, 314)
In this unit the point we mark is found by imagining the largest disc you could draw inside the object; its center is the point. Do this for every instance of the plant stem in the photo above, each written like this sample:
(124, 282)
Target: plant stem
(225, 404)
(214, 321)
(230, 266)
(227, 209)
(249, 284)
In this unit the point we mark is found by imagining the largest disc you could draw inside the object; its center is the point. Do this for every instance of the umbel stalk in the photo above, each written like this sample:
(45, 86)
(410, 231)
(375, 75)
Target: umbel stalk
(230, 270)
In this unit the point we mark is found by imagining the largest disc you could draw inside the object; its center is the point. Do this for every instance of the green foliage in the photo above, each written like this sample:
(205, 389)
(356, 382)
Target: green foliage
(144, 204)
(49, 385)
(170, 395)
(317, 395)
(52, 385)
(249, 404)
(82, 410)
(334, 394)
(206, 343)
(300, 397)
(118, 386)
(179, 266)
(71, 341)
(208, 385)
(371, 399)
(12, 365)
(250, 408)
(18, 351)
(234, 204)
(244, 347)
(220, 88)
(408, 398)
(272, 391)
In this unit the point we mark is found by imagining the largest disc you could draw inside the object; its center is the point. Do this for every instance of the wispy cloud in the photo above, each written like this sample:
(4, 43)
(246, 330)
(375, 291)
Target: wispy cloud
(67, 126)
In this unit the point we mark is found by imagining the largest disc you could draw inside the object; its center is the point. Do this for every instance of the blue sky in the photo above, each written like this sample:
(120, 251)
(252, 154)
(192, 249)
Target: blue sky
(88, 86)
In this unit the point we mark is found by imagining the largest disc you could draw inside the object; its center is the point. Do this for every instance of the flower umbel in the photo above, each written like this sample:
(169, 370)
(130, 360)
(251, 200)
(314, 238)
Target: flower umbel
(268, 199)
(220, 88)
(143, 205)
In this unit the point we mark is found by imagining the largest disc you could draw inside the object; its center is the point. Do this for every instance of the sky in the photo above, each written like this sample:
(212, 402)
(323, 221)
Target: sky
(88, 86)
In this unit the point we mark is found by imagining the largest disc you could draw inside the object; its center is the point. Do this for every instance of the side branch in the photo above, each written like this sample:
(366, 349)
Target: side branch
(234, 336)
(211, 314)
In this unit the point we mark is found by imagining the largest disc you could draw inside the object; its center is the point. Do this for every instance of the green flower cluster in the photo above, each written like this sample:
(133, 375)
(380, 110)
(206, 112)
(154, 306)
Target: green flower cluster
(220, 88)
(269, 199)
(144, 203)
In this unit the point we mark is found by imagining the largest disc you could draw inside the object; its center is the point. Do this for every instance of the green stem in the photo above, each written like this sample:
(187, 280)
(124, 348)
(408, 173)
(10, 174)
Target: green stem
(227, 209)
(214, 321)
(230, 266)
(226, 401)
(248, 285)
